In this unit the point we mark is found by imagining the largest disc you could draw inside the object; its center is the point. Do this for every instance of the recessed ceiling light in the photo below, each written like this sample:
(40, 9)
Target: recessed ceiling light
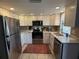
(72, 7)
(57, 7)
(31, 14)
(61, 11)
(50, 13)
(22, 14)
(12, 9)
(41, 13)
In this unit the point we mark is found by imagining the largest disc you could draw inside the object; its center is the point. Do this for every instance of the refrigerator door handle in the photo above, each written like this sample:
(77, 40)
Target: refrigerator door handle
(7, 36)
(8, 45)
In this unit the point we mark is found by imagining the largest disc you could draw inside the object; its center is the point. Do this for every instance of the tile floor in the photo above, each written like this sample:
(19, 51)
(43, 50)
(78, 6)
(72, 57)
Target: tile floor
(36, 56)
(27, 38)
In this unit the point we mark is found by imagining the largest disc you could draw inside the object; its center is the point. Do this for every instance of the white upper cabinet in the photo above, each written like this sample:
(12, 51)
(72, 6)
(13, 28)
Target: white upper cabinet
(26, 20)
(47, 20)
(29, 20)
(52, 20)
(21, 18)
(57, 19)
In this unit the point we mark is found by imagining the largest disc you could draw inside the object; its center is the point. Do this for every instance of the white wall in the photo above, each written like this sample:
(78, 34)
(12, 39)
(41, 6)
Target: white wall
(8, 13)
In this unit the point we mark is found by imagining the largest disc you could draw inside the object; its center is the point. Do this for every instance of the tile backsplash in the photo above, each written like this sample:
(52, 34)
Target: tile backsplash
(45, 28)
(75, 31)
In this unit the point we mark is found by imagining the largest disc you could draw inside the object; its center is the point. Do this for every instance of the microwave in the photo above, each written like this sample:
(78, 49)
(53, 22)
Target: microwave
(37, 23)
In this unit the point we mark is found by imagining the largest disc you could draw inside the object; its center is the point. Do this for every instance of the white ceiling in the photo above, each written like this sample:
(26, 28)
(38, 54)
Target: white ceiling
(46, 7)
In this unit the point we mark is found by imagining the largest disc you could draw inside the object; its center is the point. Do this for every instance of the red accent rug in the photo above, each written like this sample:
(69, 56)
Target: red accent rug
(37, 48)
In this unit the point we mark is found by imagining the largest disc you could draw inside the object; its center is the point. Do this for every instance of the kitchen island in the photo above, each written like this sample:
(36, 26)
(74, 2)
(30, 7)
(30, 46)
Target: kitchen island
(65, 48)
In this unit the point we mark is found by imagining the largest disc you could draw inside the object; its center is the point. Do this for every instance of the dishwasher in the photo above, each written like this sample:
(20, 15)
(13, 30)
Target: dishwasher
(58, 49)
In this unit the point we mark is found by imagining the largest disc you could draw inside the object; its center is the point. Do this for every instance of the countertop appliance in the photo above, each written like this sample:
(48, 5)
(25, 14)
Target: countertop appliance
(9, 34)
(37, 33)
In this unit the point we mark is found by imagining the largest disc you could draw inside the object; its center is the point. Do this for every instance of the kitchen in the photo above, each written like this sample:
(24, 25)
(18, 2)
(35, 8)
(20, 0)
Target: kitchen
(49, 33)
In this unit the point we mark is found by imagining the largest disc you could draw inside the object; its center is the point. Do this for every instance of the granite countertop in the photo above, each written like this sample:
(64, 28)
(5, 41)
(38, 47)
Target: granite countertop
(63, 39)
(32, 31)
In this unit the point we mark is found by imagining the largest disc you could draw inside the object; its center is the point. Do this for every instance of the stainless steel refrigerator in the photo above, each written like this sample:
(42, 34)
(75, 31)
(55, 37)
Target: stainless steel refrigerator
(10, 45)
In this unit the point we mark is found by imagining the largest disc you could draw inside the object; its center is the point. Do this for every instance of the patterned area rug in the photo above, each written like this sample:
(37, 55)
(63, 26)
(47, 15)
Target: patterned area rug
(37, 48)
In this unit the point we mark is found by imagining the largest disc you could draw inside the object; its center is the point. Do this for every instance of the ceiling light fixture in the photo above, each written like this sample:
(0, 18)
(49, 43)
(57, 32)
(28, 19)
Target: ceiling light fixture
(12, 9)
(22, 14)
(31, 14)
(61, 11)
(50, 13)
(72, 7)
(57, 7)
(41, 13)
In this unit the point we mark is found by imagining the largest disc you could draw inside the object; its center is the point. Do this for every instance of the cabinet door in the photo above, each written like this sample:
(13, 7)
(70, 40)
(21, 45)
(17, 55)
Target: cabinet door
(46, 38)
(57, 19)
(51, 41)
(26, 38)
(52, 19)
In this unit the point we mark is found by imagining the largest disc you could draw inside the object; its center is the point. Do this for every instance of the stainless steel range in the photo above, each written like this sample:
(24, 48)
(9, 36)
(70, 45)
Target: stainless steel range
(37, 33)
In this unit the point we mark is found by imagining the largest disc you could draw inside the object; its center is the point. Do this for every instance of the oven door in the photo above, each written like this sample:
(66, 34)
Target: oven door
(37, 35)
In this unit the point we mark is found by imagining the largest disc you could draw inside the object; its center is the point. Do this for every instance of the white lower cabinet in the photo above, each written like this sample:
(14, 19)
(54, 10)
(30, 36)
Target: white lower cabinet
(26, 38)
(51, 42)
(46, 38)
